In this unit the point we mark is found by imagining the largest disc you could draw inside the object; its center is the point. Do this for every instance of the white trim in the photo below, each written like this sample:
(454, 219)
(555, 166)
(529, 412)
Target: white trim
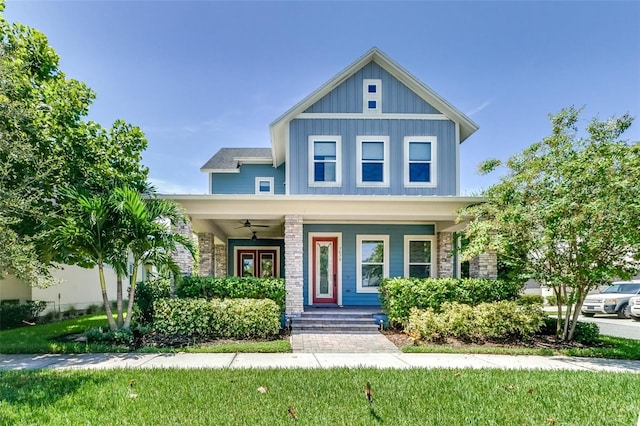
(385, 265)
(287, 168)
(357, 115)
(433, 163)
(310, 260)
(374, 97)
(264, 179)
(253, 160)
(210, 191)
(311, 161)
(433, 260)
(276, 271)
(385, 164)
(457, 158)
(236, 170)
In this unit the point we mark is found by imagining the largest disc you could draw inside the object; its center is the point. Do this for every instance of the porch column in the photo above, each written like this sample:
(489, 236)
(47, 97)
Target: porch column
(444, 255)
(181, 255)
(205, 249)
(485, 265)
(220, 260)
(293, 257)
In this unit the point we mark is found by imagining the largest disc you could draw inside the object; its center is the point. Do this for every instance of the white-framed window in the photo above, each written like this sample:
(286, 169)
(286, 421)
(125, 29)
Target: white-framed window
(373, 160)
(264, 185)
(325, 161)
(420, 168)
(419, 256)
(371, 96)
(372, 257)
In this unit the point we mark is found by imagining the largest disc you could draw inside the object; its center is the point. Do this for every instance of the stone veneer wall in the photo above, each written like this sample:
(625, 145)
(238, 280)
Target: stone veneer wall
(220, 261)
(444, 255)
(293, 264)
(182, 256)
(205, 250)
(484, 265)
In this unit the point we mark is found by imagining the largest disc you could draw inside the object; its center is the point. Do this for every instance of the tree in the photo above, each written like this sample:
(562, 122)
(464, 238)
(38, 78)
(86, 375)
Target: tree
(567, 213)
(45, 145)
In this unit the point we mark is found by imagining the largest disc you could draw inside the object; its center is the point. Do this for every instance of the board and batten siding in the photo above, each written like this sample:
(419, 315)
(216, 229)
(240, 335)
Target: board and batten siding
(349, 129)
(396, 97)
(244, 182)
(396, 233)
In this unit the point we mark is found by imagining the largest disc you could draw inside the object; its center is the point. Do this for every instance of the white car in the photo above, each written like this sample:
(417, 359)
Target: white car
(615, 299)
(634, 307)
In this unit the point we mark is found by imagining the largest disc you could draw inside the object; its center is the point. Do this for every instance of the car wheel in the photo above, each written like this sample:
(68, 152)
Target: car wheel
(635, 318)
(624, 311)
(588, 314)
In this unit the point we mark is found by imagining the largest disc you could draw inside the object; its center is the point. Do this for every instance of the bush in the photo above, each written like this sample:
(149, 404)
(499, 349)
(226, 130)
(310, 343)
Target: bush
(233, 288)
(530, 299)
(217, 318)
(123, 336)
(552, 300)
(13, 315)
(399, 295)
(586, 333)
(146, 293)
(487, 321)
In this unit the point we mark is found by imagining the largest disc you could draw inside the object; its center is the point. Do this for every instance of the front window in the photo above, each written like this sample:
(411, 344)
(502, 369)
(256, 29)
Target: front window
(420, 167)
(324, 167)
(373, 153)
(418, 256)
(264, 185)
(373, 262)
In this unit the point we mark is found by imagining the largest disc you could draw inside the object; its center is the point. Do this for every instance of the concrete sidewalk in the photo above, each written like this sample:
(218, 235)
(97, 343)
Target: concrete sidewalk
(312, 360)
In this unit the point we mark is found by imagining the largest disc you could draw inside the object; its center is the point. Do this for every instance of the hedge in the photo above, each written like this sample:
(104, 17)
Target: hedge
(486, 321)
(399, 295)
(217, 318)
(233, 288)
(16, 315)
(146, 293)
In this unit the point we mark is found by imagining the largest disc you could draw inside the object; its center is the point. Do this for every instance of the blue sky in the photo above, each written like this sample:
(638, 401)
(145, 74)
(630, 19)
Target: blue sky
(199, 76)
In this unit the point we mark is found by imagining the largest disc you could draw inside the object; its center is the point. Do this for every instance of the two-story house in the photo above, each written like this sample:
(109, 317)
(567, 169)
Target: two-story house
(361, 183)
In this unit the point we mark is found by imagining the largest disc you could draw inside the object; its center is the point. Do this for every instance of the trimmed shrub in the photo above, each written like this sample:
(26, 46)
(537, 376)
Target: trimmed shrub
(217, 318)
(586, 333)
(233, 288)
(487, 321)
(530, 299)
(146, 293)
(399, 295)
(13, 315)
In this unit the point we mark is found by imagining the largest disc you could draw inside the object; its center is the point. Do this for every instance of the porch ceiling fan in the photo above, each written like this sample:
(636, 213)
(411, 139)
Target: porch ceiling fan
(247, 224)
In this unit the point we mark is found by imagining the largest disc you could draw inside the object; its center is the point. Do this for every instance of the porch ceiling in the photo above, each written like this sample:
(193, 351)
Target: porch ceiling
(223, 215)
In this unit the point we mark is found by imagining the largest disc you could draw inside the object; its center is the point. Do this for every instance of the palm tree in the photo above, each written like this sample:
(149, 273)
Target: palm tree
(150, 235)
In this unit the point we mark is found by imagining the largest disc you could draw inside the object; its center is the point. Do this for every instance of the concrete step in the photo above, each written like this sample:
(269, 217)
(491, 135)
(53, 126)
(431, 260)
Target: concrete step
(333, 328)
(334, 322)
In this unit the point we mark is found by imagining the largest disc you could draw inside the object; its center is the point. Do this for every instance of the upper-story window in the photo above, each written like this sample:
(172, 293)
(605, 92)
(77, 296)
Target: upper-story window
(373, 160)
(325, 161)
(264, 185)
(371, 96)
(420, 161)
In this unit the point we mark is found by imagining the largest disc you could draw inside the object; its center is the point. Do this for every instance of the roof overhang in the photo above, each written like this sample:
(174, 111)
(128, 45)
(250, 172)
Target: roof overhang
(278, 128)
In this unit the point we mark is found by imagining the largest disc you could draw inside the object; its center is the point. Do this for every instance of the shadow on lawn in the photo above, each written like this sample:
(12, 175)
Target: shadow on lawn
(40, 388)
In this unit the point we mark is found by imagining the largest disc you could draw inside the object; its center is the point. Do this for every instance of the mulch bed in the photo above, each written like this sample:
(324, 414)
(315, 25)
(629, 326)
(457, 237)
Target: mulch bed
(537, 342)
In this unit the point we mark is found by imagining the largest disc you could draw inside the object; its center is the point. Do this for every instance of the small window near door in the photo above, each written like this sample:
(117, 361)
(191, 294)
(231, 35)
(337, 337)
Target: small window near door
(248, 265)
(373, 262)
(266, 265)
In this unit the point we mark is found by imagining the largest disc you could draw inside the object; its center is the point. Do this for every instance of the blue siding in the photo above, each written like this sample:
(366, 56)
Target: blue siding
(260, 242)
(244, 182)
(396, 235)
(444, 130)
(396, 97)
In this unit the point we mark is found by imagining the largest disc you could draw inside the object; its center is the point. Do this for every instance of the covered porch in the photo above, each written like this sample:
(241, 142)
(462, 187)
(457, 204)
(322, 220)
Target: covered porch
(276, 235)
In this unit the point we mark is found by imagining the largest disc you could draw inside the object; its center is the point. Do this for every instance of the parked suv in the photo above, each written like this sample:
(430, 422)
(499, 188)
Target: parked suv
(613, 300)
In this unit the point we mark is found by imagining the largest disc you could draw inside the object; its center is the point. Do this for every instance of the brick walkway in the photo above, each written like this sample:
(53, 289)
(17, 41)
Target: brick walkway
(341, 342)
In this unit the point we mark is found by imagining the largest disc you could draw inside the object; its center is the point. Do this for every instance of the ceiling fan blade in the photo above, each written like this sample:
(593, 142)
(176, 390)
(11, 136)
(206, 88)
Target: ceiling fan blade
(259, 226)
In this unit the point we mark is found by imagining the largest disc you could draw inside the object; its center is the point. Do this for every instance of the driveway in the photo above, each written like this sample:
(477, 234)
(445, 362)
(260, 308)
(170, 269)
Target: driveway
(614, 326)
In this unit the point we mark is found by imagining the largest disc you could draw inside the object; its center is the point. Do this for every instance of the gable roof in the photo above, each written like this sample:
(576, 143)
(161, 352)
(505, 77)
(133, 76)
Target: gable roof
(278, 128)
(227, 159)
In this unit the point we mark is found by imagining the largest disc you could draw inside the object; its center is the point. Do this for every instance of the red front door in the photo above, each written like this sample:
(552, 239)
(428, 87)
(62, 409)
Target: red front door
(257, 263)
(325, 269)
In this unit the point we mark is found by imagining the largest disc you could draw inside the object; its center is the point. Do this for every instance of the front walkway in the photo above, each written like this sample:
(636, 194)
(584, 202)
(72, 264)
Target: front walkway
(315, 360)
(341, 343)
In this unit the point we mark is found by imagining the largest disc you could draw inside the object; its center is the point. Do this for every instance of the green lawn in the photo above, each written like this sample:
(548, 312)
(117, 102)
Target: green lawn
(318, 397)
(43, 339)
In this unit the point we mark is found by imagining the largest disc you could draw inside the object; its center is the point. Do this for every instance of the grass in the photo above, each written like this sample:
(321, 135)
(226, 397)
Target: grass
(318, 397)
(42, 339)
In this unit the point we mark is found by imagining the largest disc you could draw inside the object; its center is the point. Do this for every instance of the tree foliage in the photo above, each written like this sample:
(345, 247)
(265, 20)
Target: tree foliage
(567, 213)
(46, 144)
